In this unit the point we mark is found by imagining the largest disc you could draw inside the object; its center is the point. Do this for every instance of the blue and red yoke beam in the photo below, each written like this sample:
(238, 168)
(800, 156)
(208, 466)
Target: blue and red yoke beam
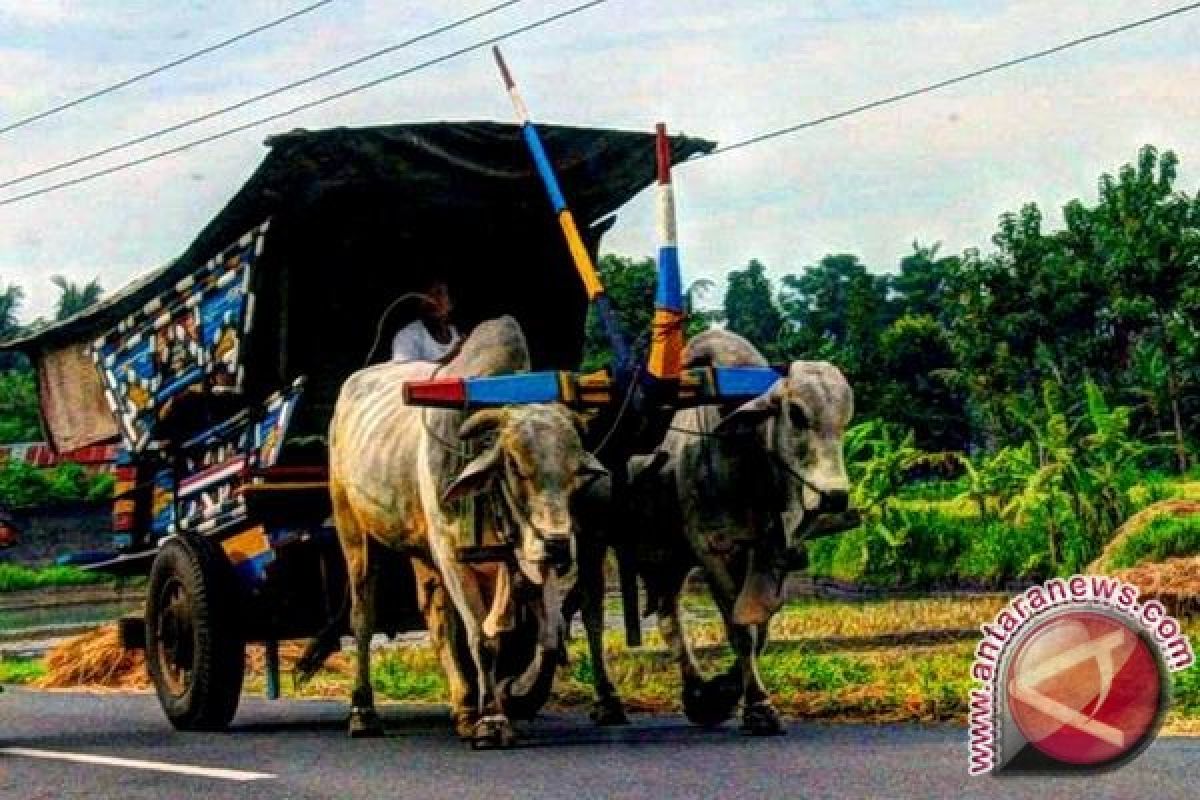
(696, 386)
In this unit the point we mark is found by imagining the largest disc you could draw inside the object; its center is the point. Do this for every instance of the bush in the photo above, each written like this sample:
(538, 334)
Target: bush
(1164, 537)
(26, 486)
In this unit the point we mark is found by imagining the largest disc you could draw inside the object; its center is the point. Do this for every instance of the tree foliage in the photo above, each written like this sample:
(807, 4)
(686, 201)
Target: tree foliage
(73, 298)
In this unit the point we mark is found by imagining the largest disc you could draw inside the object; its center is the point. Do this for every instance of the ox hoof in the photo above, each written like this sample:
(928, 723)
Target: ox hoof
(608, 711)
(711, 703)
(493, 732)
(761, 719)
(365, 724)
(464, 724)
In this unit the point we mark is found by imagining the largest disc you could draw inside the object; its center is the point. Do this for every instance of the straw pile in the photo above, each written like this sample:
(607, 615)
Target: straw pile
(1174, 582)
(96, 660)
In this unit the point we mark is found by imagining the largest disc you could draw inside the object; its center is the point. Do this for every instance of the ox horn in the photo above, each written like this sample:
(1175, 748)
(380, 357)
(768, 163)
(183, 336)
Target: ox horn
(481, 422)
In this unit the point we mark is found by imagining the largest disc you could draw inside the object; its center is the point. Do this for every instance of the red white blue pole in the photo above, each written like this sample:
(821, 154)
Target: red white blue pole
(666, 344)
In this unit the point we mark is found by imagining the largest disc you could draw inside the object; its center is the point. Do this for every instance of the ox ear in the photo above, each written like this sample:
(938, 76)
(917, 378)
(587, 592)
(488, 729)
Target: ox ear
(474, 477)
(590, 465)
(751, 414)
(591, 470)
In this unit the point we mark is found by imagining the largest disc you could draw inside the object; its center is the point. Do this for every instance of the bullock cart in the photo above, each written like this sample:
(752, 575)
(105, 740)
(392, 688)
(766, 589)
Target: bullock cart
(218, 372)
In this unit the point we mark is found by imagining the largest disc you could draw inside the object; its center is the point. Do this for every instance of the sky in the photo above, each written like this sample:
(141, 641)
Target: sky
(938, 168)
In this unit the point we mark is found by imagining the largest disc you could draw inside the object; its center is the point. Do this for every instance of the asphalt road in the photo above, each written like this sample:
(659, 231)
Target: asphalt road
(299, 749)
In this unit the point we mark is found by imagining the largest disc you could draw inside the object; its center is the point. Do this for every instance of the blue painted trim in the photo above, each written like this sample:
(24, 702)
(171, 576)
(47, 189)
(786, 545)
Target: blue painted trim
(188, 378)
(669, 293)
(542, 162)
(254, 569)
(503, 390)
(744, 381)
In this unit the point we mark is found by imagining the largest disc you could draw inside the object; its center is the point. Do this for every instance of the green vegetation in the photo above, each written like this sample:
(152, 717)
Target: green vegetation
(414, 676)
(21, 670)
(25, 486)
(15, 578)
(1163, 538)
(1185, 690)
(19, 421)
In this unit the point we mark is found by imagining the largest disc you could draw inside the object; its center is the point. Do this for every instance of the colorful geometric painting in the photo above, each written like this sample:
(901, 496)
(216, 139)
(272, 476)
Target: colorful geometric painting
(213, 466)
(192, 338)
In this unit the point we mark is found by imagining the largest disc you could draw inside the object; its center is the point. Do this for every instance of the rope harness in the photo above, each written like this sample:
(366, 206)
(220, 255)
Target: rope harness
(783, 469)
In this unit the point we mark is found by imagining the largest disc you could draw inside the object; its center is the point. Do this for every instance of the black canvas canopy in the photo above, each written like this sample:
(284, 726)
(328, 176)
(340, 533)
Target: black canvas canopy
(360, 216)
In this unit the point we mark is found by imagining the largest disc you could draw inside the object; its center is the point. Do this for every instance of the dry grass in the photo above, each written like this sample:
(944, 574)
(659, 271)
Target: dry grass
(94, 659)
(1175, 582)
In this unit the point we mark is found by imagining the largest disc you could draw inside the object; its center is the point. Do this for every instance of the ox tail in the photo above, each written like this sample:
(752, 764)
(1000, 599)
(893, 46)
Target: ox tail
(327, 642)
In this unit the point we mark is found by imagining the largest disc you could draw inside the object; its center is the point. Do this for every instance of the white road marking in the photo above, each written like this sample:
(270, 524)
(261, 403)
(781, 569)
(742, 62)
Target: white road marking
(130, 763)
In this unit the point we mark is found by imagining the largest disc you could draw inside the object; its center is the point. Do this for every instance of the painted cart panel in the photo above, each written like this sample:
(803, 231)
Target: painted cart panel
(192, 339)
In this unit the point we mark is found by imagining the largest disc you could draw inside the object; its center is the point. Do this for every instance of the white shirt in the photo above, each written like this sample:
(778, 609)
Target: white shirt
(413, 342)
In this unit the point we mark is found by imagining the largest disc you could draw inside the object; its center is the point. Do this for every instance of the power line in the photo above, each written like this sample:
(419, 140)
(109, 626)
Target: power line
(163, 67)
(753, 140)
(316, 76)
(306, 106)
(933, 87)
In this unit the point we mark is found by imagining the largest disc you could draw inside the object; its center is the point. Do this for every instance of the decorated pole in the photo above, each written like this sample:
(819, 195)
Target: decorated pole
(566, 220)
(666, 343)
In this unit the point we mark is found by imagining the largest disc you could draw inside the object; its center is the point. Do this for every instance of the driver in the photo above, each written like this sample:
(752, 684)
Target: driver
(430, 337)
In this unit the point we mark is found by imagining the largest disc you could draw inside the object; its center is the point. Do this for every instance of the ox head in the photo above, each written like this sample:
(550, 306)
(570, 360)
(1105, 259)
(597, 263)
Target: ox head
(538, 460)
(802, 421)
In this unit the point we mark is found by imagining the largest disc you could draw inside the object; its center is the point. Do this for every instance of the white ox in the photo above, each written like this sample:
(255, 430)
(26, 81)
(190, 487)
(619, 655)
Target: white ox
(393, 471)
(733, 494)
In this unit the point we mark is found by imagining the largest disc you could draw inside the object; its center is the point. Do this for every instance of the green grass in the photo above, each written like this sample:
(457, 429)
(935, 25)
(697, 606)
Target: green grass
(1164, 537)
(21, 670)
(923, 549)
(15, 578)
(398, 678)
(1185, 690)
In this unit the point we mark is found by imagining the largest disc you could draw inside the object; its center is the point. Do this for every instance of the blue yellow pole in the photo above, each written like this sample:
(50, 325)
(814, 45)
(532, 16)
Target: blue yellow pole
(566, 220)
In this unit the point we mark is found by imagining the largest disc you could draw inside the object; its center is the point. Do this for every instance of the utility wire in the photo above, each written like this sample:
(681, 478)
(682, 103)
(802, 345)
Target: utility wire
(316, 76)
(306, 106)
(933, 87)
(78, 101)
(757, 139)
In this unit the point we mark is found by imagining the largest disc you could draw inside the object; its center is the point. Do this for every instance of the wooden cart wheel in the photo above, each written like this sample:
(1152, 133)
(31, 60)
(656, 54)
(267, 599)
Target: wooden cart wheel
(195, 652)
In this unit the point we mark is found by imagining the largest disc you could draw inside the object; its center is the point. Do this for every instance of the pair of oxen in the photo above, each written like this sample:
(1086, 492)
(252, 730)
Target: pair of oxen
(730, 492)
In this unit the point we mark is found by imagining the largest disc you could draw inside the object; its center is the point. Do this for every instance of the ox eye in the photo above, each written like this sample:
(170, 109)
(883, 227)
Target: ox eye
(797, 416)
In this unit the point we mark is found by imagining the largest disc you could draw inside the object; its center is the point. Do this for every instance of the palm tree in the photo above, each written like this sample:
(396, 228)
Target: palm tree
(75, 298)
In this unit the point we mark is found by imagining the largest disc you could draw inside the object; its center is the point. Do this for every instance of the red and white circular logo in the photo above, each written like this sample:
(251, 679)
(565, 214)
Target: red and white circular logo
(1085, 688)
